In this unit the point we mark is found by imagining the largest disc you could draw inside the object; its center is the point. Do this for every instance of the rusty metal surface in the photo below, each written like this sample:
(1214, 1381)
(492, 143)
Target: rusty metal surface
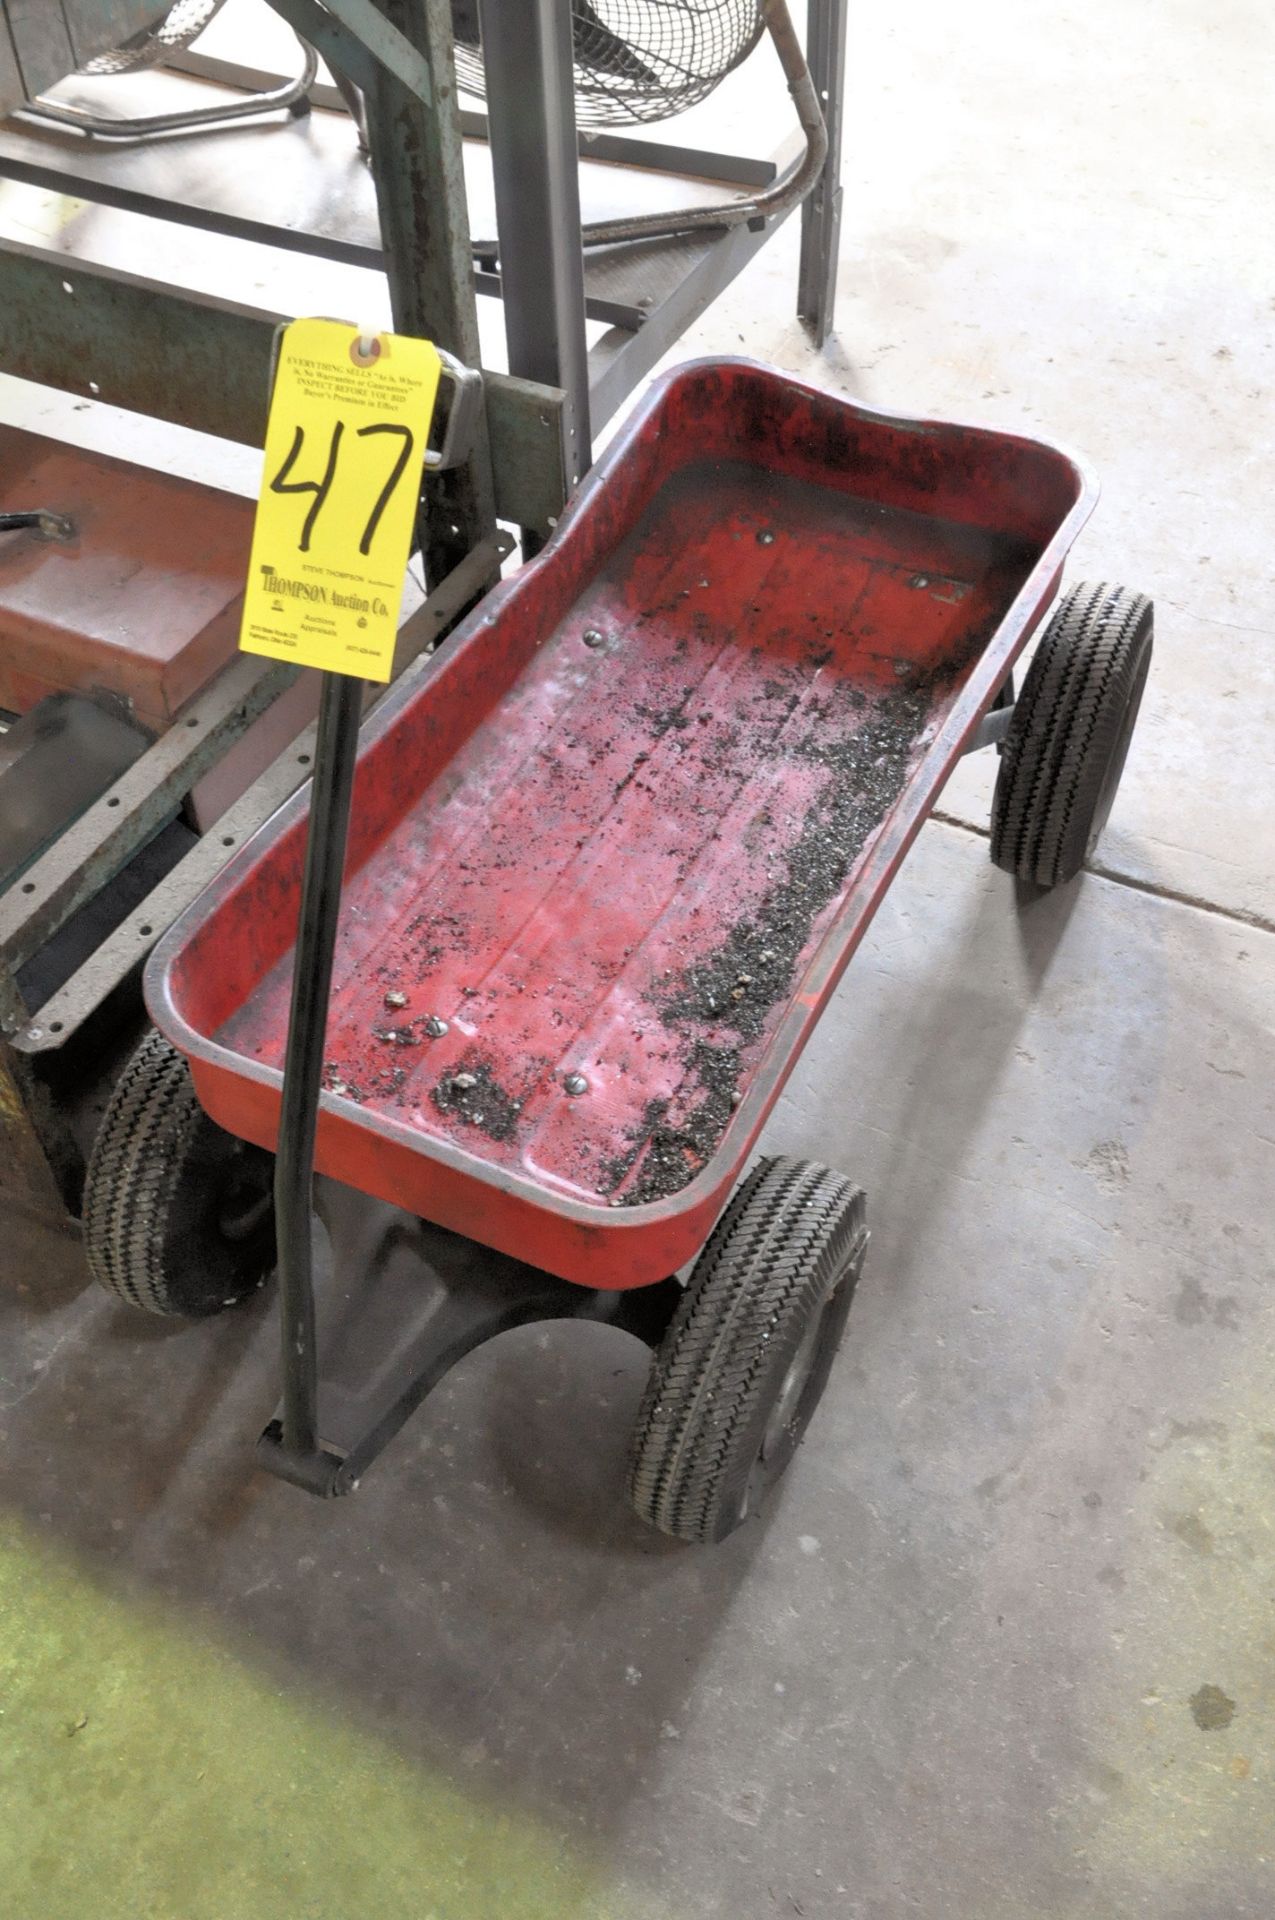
(54, 762)
(610, 858)
(27, 1180)
(40, 1164)
(142, 601)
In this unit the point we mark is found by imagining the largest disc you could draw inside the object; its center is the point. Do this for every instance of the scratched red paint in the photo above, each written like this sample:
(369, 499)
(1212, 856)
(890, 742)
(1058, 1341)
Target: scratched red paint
(584, 838)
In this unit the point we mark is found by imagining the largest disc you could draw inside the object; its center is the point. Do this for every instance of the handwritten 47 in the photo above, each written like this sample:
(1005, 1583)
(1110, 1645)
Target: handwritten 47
(322, 488)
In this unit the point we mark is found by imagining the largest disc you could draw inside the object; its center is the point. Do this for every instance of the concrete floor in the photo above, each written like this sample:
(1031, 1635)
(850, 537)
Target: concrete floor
(1005, 1646)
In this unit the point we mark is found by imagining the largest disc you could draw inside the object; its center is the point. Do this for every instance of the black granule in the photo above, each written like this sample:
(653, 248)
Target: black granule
(388, 1083)
(751, 970)
(484, 1105)
(660, 719)
(738, 985)
(671, 1156)
(404, 1036)
(616, 1170)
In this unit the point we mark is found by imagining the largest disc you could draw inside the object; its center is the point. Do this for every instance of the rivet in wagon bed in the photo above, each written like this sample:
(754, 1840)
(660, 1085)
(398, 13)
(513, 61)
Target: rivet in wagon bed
(592, 638)
(765, 538)
(435, 1027)
(575, 1083)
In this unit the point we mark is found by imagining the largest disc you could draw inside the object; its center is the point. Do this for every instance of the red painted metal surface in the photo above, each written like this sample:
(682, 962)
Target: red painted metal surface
(143, 601)
(633, 821)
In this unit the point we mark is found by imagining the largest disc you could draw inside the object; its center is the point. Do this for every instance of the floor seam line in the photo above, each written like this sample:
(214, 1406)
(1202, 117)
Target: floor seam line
(1238, 916)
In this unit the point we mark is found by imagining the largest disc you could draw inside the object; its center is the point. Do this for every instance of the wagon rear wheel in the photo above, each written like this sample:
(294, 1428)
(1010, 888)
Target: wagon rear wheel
(749, 1350)
(178, 1216)
(1070, 732)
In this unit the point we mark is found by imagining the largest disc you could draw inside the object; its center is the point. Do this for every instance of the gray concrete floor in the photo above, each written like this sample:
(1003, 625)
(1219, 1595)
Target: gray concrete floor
(1005, 1645)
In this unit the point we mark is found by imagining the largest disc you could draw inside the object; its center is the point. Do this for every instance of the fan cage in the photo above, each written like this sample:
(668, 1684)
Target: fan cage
(182, 23)
(641, 60)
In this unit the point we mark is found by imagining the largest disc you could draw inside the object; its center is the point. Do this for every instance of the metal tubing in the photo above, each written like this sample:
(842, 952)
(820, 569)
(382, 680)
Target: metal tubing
(103, 127)
(334, 756)
(39, 520)
(531, 128)
(787, 192)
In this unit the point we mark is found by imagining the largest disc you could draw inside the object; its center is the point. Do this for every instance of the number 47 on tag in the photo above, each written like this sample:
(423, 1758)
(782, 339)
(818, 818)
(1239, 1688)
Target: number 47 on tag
(345, 447)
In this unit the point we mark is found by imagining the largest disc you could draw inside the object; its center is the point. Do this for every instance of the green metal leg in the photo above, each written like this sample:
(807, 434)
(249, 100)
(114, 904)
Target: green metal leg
(420, 182)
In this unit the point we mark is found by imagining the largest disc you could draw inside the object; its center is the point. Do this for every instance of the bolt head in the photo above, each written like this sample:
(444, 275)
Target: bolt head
(575, 1083)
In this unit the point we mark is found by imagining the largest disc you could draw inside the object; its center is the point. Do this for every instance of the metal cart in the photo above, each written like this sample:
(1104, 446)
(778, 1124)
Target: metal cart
(610, 854)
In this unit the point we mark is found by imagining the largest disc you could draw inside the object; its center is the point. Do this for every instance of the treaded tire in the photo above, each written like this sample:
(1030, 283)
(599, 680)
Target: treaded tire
(178, 1216)
(1070, 732)
(748, 1352)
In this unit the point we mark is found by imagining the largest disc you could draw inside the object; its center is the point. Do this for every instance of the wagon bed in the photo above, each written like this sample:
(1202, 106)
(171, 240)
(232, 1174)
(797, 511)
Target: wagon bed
(611, 852)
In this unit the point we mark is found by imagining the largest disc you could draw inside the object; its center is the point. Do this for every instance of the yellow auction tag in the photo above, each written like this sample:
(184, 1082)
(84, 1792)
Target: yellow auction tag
(345, 444)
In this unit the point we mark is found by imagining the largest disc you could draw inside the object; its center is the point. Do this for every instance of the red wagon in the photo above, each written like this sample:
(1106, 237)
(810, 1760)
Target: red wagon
(610, 853)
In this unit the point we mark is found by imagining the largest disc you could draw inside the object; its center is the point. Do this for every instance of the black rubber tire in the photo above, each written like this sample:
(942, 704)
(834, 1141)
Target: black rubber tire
(1070, 732)
(178, 1216)
(748, 1352)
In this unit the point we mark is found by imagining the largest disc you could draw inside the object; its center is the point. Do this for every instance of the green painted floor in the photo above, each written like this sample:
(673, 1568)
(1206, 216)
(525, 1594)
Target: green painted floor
(147, 1769)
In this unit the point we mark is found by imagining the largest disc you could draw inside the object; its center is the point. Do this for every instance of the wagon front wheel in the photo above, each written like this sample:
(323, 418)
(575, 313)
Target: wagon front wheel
(1070, 731)
(178, 1216)
(748, 1352)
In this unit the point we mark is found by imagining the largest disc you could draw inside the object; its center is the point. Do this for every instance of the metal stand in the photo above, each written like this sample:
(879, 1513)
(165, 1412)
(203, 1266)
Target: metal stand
(821, 213)
(401, 1304)
(647, 284)
(532, 132)
(415, 149)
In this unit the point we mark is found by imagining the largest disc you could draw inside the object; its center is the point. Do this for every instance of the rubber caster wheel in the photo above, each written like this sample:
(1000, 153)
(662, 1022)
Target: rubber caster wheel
(1069, 734)
(178, 1216)
(748, 1352)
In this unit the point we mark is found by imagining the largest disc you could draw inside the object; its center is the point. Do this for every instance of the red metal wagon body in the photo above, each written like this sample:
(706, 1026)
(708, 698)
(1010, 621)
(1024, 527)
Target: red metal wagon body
(613, 848)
